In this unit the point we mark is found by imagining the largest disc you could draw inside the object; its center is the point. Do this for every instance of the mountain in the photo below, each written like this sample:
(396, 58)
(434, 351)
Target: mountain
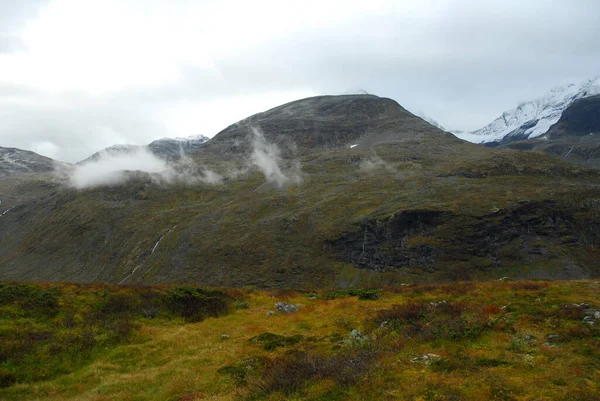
(323, 123)
(532, 119)
(431, 121)
(13, 160)
(360, 193)
(173, 148)
(112, 151)
(165, 148)
(575, 137)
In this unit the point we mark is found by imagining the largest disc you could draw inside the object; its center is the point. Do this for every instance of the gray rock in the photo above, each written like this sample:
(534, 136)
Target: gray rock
(225, 337)
(590, 312)
(529, 337)
(588, 318)
(597, 314)
(356, 334)
(427, 358)
(584, 306)
(284, 307)
(383, 324)
(553, 337)
(269, 313)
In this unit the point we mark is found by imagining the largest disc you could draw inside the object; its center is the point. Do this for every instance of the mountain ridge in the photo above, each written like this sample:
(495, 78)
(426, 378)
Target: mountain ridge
(533, 118)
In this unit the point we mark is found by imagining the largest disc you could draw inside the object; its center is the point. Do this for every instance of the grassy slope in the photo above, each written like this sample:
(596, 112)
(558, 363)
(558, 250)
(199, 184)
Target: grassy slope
(243, 232)
(170, 359)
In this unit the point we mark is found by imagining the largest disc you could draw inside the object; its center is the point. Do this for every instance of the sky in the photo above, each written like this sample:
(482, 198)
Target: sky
(80, 75)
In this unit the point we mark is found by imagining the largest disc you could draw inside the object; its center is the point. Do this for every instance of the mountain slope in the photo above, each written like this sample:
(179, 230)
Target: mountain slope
(409, 202)
(165, 148)
(575, 137)
(13, 160)
(532, 119)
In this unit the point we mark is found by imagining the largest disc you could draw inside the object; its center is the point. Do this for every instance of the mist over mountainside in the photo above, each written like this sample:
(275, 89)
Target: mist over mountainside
(532, 119)
(164, 148)
(323, 191)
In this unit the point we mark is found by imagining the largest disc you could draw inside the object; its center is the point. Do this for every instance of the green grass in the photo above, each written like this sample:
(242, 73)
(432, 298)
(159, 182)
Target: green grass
(490, 340)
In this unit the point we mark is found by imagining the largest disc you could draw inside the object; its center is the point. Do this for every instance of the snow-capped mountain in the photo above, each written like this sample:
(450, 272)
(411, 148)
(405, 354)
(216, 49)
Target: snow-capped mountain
(164, 148)
(532, 119)
(13, 160)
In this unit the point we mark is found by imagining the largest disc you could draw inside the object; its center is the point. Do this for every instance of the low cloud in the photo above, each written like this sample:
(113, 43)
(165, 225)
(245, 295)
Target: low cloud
(267, 157)
(117, 169)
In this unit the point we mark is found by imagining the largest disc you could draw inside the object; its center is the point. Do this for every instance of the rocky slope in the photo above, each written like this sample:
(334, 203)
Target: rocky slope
(532, 119)
(379, 196)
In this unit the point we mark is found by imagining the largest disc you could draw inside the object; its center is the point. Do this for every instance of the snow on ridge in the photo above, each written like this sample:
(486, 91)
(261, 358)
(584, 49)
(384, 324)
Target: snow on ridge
(533, 118)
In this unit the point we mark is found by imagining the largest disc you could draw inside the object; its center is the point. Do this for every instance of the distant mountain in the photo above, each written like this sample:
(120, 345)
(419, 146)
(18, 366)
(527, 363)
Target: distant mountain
(165, 148)
(13, 160)
(532, 119)
(172, 148)
(431, 121)
(575, 137)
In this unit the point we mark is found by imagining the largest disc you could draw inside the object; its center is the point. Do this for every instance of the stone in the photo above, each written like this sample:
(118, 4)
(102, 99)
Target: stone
(383, 324)
(553, 337)
(427, 358)
(529, 337)
(284, 307)
(597, 314)
(270, 313)
(355, 334)
(225, 337)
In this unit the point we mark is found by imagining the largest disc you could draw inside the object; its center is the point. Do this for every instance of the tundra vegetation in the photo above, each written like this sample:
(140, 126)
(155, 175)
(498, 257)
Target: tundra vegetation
(494, 340)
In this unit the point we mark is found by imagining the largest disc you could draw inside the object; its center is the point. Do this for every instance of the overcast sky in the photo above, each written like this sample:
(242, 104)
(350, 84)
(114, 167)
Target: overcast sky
(79, 75)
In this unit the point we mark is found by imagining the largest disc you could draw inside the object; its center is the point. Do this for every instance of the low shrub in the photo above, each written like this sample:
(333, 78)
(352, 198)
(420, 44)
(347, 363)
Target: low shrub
(270, 341)
(362, 294)
(293, 370)
(241, 304)
(429, 321)
(195, 304)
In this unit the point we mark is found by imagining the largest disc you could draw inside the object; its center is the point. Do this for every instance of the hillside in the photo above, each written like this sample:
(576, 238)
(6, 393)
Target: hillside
(500, 340)
(14, 161)
(326, 191)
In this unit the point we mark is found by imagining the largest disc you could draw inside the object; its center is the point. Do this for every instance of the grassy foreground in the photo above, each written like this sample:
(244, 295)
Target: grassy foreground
(500, 340)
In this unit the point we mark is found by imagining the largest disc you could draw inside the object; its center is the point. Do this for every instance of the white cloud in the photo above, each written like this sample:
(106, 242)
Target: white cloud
(85, 74)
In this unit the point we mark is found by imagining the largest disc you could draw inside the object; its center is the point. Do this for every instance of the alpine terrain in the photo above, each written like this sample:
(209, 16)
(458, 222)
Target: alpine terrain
(320, 192)
(532, 119)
